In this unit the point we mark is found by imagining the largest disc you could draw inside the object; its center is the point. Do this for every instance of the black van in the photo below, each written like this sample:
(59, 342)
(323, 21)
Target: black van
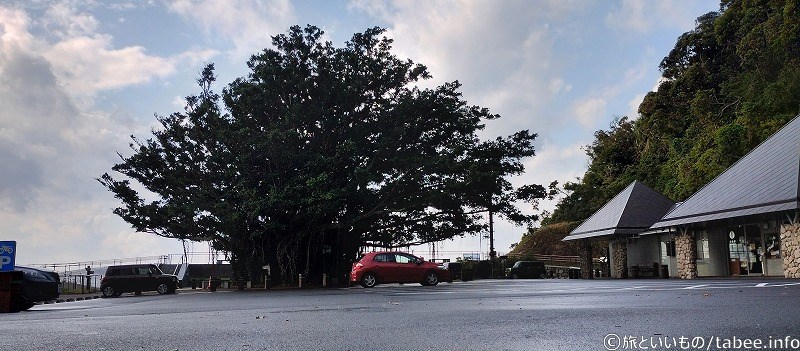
(527, 269)
(136, 278)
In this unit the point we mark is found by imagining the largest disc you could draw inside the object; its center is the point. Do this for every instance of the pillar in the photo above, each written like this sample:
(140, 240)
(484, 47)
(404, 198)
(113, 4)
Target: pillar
(619, 255)
(686, 252)
(790, 250)
(585, 259)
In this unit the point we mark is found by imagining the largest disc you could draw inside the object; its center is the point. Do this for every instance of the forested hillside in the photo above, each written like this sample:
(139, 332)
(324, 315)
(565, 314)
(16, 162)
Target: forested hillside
(727, 85)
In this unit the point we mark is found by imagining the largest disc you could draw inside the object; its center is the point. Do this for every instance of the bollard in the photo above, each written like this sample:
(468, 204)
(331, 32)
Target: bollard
(324, 280)
(266, 270)
(300, 281)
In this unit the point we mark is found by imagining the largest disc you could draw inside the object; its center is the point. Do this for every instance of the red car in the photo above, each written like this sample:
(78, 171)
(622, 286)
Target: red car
(396, 267)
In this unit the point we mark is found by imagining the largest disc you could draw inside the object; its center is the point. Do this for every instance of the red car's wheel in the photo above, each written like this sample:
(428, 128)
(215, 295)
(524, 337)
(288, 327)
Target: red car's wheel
(369, 280)
(431, 279)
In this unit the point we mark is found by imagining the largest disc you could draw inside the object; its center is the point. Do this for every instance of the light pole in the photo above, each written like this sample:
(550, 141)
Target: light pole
(492, 252)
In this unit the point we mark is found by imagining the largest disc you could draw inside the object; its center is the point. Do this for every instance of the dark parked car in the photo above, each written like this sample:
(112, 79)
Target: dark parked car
(396, 267)
(36, 285)
(527, 269)
(136, 278)
(454, 268)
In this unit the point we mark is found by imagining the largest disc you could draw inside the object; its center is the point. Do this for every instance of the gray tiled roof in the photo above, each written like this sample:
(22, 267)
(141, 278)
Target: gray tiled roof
(763, 181)
(630, 212)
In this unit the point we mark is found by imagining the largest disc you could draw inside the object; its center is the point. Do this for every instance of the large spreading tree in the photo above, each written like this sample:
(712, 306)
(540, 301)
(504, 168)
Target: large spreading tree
(318, 152)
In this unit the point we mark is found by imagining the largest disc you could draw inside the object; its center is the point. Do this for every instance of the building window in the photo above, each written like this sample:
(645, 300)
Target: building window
(668, 249)
(702, 246)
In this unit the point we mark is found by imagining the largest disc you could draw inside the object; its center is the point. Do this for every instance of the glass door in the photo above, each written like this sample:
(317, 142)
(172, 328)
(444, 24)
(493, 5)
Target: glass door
(737, 251)
(755, 249)
(745, 249)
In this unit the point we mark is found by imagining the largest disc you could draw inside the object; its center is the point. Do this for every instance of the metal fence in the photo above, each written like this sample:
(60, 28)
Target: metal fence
(75, 268)
(74, 276)
(76, 284)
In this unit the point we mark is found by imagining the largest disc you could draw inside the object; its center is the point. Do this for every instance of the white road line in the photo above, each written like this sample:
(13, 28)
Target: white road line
(637, 287)
(761, 285)
(787, 284)
(696, 286)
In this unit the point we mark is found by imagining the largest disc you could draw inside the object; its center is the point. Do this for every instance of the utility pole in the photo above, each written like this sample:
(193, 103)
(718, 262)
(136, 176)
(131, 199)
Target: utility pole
(492, 253)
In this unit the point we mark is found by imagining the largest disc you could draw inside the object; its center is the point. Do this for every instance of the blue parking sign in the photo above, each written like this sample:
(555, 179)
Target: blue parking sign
(8, 250)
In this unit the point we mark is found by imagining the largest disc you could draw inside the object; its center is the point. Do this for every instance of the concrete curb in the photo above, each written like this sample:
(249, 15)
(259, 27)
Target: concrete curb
(70, 298)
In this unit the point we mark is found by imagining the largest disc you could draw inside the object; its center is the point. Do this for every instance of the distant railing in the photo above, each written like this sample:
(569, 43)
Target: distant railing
(553, 258)
(76, 284)
(561, 266)
(76, 268)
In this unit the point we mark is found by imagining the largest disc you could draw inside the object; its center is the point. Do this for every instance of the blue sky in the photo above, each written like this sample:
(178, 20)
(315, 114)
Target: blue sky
(77, 78)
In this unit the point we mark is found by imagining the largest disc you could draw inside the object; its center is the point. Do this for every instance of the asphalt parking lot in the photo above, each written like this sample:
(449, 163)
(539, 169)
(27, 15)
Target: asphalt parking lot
(549, 314)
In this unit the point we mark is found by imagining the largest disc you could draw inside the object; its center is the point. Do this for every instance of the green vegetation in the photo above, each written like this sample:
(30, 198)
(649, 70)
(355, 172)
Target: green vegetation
(728, 85)
(545, 241)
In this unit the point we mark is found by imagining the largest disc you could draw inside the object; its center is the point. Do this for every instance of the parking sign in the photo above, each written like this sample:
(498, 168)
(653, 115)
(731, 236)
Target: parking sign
(7, 253)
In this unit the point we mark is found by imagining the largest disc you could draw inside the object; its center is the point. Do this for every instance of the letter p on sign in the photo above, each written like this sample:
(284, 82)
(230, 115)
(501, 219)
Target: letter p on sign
(8, 251)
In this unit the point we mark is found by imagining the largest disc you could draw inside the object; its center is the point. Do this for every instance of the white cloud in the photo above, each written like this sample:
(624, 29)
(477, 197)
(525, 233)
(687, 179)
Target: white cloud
(179, 102)
(250, 24)
(633, 106)
(51, 146)
(631, 16)
(14, 35)
(86, 65)
(64, 21)
(635, 74)
(502, 52)
(642, 16)
(590, 111)
(132, 244)
(555, 162)
(557, 85)
(83, 61)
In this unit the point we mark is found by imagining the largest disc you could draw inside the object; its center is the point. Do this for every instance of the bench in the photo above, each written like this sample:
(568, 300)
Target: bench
(644, 270)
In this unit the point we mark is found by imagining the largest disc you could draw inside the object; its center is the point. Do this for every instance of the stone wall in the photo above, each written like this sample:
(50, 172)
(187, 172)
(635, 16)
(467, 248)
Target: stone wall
(619, 264)
(790, 250)
(686, 252)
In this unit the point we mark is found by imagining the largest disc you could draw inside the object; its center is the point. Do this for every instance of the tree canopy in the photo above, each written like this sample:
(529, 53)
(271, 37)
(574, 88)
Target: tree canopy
(321, 147)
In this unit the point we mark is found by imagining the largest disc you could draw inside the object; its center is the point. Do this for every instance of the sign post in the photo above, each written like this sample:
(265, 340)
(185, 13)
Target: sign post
(7, 253)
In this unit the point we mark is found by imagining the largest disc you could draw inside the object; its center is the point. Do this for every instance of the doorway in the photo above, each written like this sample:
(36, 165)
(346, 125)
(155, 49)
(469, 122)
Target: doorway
(745, 248)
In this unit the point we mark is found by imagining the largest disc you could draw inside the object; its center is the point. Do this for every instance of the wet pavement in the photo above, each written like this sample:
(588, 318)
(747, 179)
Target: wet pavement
(551, 314)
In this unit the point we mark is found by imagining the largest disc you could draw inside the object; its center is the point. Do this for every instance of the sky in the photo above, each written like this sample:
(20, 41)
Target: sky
(79, 78)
